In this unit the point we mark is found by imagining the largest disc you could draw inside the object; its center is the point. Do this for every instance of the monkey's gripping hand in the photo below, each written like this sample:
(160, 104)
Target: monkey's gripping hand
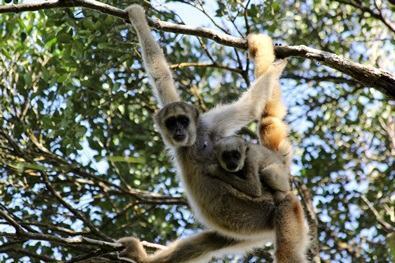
(136, 14)
(133, 249)
(155, 63)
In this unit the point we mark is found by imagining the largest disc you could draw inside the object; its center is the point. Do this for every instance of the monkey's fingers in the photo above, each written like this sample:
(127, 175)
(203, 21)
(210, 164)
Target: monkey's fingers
(133, 249)
(136, 13)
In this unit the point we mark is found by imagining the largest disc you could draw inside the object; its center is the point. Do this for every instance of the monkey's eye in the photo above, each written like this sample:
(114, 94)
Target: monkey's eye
(170, 122)
(225, 155)
(235, 154)
(183, 120)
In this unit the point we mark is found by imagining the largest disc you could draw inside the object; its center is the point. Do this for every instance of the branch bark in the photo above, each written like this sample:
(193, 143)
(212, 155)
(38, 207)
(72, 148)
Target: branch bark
(366, 75)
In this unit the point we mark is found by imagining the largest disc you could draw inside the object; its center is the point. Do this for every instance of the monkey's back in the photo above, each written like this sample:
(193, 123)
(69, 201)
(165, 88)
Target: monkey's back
(263, 155)
(217, 204)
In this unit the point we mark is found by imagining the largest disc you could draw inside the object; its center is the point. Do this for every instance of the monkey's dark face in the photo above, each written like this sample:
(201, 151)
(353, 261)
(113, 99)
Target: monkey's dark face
(231, 160)
(178, 127)
(177, 122)
(231, 153)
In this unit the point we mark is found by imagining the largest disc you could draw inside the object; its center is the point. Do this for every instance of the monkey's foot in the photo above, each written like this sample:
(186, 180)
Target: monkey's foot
(133, 249)
(260, 49)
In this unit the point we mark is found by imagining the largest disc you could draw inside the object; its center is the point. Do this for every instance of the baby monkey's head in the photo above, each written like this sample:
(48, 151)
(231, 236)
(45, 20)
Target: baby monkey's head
(231, 153)
(177, 122)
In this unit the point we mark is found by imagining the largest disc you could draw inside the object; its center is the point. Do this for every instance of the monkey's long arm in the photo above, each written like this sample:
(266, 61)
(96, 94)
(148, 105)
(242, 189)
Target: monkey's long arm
(224, 120)
(154, 61)
(196, 248)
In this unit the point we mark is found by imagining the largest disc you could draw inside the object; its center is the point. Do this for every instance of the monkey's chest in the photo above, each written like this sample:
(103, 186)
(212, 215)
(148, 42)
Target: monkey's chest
(203, 150)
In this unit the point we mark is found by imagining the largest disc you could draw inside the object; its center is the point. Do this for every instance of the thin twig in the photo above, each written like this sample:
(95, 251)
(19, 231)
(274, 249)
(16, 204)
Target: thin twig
(386, 226)
(203, 65)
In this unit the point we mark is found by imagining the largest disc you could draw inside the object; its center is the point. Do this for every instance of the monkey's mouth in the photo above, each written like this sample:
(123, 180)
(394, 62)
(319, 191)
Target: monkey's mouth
(241, 173)
(179, 137)
(231, 167)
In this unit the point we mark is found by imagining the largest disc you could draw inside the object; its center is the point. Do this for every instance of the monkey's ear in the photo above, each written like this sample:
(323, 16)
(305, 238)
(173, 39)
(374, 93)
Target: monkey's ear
(196, 113)
(157, 117)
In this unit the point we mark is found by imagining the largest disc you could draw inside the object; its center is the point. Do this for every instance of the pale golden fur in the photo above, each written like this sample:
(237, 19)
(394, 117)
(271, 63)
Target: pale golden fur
(238, 222)
(272, 130)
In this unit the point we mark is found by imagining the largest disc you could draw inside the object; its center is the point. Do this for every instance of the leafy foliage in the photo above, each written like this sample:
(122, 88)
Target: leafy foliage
(75, 114)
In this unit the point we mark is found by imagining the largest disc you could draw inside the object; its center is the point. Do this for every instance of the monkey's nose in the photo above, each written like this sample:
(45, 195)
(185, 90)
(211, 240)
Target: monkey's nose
(179, 137)
(231, 166)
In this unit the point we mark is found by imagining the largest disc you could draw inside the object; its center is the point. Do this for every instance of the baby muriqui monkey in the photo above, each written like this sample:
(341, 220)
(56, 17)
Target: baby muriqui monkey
(250, 168)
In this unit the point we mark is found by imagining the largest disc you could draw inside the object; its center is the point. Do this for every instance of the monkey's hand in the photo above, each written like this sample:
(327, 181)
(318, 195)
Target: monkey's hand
(136, 14)
(133, 249)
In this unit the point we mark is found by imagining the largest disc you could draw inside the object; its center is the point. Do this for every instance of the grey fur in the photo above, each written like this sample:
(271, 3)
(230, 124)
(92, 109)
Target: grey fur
(238, 221)
(259, 169)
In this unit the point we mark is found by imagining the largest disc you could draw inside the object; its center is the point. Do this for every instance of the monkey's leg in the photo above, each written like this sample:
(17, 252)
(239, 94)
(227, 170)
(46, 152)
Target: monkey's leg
(154, 60)
(291, 231)
(133, 249)
(272, 131)
(260, 48)
(285, 149)
(276, 176)
(226, 119)
(198, 247)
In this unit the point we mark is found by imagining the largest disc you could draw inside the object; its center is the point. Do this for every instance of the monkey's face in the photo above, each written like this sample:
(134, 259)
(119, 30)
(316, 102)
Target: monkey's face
(231, 153)
(177, 122)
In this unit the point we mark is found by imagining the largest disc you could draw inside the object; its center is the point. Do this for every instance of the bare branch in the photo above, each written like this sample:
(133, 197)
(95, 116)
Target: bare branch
(377, 15)
(367, 75)
(11, 221)
(77, 213)
(386, 226)
(20, 251)
(203, 65)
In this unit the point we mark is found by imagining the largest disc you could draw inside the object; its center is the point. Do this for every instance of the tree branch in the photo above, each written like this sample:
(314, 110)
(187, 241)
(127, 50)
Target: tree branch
(366, 75)
(377, 15)
(25, 252)
(204, 65)
(386, 226)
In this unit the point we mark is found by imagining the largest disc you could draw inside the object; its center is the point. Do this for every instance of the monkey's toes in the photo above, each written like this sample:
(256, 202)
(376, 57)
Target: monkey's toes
(133, 248)
(257, 42)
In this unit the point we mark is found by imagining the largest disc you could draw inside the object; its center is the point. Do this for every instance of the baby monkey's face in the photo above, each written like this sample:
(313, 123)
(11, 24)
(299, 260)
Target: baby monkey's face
(231, 153)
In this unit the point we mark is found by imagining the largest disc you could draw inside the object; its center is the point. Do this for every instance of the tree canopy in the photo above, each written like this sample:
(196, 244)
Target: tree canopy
(82, 165)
